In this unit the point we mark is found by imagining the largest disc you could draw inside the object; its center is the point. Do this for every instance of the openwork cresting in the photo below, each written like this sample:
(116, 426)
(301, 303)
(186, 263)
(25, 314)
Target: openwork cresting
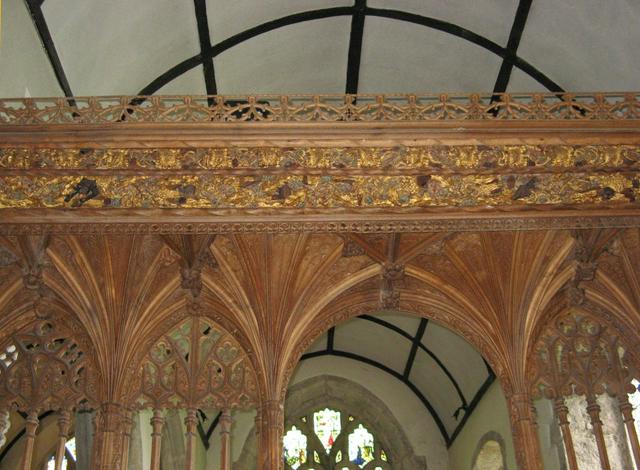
(321, 108)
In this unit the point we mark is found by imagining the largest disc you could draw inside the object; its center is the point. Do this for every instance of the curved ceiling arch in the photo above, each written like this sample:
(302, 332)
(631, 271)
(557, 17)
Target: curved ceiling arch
(414, 362)
(393, 373)
(420, 344)
(212, 51)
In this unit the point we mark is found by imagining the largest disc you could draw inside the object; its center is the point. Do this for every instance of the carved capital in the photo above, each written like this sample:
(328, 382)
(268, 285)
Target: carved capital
(393, 271)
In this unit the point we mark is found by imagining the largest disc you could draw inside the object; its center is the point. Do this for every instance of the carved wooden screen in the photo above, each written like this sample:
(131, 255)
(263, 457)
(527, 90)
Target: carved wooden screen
(580, 355)
(197, 364)
(44, 368)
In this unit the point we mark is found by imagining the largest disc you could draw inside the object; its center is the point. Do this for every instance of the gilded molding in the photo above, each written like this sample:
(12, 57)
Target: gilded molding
(436, 159)
(183, 223)
(320, 178)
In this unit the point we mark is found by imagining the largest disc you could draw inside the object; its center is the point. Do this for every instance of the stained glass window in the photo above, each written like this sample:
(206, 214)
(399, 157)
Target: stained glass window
(327, 426)
(361, 446)
(295, 448)
(329, 439)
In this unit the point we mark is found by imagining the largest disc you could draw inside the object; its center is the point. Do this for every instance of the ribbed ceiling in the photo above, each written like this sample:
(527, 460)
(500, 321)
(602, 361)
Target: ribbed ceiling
(445, 372)
(95, 47)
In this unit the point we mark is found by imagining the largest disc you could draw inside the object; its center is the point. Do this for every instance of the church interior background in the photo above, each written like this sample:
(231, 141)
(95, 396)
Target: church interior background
(319, 235)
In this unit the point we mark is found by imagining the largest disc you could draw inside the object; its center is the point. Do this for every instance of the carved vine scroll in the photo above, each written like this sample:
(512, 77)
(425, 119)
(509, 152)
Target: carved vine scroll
(197, 365)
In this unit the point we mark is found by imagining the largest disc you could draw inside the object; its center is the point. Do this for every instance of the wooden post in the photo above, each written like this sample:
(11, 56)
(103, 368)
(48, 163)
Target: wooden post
(127, 424)
(271, 435)
(627, 416)
(157, 423)
(109, 437)
(594, 413)
(525, 432)
(191, 422)
(225, 440)
(30, 434)
(563, 412)
(64, 423)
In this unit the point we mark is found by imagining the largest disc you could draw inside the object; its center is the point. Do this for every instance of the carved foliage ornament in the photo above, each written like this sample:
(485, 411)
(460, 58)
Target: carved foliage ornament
(319, 178)
(44, 368)
(197, 364)
(317, 108)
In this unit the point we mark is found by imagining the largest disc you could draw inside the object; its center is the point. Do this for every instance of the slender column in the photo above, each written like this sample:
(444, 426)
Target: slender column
(271, 435)
(127, 424)
(109, 437)
(626, 410)
(64, 423)
(525, 432)
(5, 424)
(30, 434)
(563, 412)
(225, 440)
(594, 413)
(191, 422)
(157, 423)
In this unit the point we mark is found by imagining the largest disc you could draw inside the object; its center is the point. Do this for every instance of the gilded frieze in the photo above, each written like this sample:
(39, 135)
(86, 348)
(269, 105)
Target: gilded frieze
(313, 192)
(435, 159)
(319, 178)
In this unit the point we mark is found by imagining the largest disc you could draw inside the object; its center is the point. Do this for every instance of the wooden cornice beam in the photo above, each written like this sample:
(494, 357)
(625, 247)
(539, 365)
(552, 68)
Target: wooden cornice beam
(352, 134)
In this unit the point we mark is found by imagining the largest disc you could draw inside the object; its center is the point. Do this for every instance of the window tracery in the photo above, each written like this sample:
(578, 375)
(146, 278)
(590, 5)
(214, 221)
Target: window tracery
(579, 355)
(330, 439)
(44, 368)
(197, 364)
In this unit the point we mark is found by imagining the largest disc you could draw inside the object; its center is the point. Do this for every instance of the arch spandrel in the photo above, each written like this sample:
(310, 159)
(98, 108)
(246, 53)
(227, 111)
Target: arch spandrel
(196, 364)
(45, 366)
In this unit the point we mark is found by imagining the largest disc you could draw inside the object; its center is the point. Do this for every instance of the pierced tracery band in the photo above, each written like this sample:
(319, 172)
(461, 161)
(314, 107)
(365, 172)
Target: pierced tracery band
(322, 108)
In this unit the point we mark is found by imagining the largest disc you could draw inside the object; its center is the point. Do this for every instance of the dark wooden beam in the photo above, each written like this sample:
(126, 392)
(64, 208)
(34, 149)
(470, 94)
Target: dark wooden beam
(417, 339)
(47, 42)
(205, 44)
(355, 47)
(519, 22)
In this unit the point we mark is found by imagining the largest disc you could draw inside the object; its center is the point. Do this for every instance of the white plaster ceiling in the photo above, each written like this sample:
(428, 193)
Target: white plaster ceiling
(121, 47)
(440, 368)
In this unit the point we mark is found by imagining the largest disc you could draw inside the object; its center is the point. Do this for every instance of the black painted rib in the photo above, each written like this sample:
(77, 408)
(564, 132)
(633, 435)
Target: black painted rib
(213, 426)
(388, 370)
(414, 347)
(470, 36)
(355, 47)
(519, 22)
(431, 354)
(331, 338)
(472, 406)
(205, 43)
(203, 435)
(49, 47)
(228, 43)
(450, 28)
